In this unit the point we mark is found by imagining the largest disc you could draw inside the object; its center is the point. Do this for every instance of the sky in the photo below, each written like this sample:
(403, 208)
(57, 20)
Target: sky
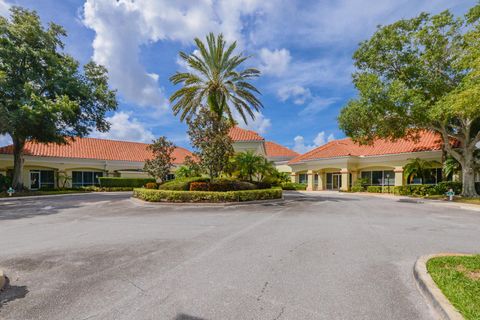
(303, 49)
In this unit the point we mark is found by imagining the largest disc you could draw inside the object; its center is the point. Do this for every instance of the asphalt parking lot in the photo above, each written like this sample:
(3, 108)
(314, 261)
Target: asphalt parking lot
(314, 256)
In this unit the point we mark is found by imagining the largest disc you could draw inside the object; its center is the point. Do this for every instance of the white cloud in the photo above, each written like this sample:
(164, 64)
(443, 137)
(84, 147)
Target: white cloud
(123, 127)
(4, 8)
(274, 62)
(301, 147)
(297, 93)
(123, 26)
(260, 124)
(316, 105)
(5, 140)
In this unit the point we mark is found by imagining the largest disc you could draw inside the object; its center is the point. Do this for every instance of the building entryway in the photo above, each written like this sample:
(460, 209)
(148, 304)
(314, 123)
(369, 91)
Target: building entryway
(334, 181)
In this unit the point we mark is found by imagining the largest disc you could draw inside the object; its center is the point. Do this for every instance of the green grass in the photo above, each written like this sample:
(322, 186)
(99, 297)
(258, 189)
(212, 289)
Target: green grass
(468, 200)
(41, 193)
(459, 280)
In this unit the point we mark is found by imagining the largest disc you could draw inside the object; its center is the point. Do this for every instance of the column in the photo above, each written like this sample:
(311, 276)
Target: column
(398, 176)
(294, 177)
(310, 177)
(320, 185)
(354, 177)
(345, 181)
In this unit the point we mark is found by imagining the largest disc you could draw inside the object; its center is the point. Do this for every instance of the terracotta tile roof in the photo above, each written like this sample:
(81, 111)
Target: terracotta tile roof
(240, 134)
(276, 150)
(99, 149)
(429, 141)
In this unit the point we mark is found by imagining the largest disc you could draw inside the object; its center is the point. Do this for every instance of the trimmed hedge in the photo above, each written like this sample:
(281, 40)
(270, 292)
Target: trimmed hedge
(199, 186)
(114, 182)
(294, 186)
(422, 190)
(221, 185)
(181, 184)
(106, 189)
(206, 196)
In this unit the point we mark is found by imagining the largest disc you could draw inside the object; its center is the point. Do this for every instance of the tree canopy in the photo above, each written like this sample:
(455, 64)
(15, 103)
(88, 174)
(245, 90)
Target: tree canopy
(44, 94)
(214, 81)
(421, 74)
(162, 162)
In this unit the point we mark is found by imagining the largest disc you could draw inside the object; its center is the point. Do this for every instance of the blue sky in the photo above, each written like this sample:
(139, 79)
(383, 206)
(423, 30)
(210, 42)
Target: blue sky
(303, 49)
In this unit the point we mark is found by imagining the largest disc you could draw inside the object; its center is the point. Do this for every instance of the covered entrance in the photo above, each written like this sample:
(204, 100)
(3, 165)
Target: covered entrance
(334, 181)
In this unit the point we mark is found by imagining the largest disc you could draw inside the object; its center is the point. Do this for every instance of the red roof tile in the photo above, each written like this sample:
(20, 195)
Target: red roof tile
(428, 141)
(276, 150)
(99, 149)
(239, 134)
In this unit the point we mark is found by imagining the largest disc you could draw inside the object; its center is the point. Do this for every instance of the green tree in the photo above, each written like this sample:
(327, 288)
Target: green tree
(161, 164)
(247, 164)
(450, 167)
(419, 168)
(44, 96)
(266, 169)
(215, 82)
(421, 74)
(209, 137)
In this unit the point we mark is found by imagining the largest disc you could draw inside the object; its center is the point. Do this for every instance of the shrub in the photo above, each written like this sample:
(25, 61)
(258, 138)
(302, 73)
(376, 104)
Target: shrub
(294, 186)
(262, 184)
(106, 189)
(181, 183)
(357, 188)
(199, 186)
(151, 185)
(444, 186)
(206, 196)
(374, 189)
(417, 190)
(5, 182)
(114, 182)
(230, 185)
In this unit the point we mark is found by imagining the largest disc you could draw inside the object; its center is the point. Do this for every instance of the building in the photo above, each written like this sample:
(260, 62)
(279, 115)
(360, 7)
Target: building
(339, 163)
(83, 160)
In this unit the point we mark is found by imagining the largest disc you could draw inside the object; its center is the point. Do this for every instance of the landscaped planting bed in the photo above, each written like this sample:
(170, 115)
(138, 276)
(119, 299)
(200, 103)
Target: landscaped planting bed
(206, 196)
(459, 279)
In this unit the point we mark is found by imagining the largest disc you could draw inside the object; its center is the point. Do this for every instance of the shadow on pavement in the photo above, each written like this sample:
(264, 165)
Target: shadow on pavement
(11, 293)
(182, 316)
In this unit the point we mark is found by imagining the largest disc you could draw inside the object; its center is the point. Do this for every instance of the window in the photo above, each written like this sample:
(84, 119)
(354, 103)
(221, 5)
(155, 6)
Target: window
(42, 179)
(315, 181)
(434, 176)
(379, 178)
(169, 177)
(302, 178)
(85, 178)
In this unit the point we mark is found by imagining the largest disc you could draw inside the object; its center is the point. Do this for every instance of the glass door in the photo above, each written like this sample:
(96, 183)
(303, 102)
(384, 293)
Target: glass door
(337, 181)
(34, 180)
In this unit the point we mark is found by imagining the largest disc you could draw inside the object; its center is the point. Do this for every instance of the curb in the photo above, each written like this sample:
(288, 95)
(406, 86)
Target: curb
(205, 204)
(434, 296)
(3, 280)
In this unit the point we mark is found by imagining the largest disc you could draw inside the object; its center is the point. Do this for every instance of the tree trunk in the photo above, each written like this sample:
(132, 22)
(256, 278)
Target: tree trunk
(468, 181)
(18, 145)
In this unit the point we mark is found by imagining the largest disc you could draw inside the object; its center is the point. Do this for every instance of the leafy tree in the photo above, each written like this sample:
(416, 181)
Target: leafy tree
(247, 164)
(189, 169)
(419, 168)
(421, 74)
(266, 169)
(451, 166)
(161, 164)
(214, 82)
(209, 137)
(44, 96)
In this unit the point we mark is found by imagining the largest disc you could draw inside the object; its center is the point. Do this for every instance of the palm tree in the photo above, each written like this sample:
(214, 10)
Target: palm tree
(419, 168)
(215, 82)
(450, 167)
(247, 164)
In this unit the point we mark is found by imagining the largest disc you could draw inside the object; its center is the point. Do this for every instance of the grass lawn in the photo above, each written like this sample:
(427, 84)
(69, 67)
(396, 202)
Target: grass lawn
(459, 280)
(40, 193)
(468, 200)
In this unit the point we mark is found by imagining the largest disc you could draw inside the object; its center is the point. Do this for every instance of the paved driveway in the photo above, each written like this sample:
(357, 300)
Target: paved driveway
(315, 256)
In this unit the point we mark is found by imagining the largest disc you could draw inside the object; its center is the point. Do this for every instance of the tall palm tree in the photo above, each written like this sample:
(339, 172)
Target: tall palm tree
(214, 81)
(419, 168)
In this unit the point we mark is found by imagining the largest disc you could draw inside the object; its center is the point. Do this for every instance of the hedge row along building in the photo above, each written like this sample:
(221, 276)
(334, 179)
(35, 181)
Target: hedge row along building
(333, 166)
(81, 162)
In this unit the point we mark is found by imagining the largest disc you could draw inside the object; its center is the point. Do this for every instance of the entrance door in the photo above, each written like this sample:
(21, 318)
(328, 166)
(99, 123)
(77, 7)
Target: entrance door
(34, 180)
(337, 181)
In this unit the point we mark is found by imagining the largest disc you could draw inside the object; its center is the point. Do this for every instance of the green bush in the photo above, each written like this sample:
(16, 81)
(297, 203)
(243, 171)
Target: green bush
(374, 189)
(294, 186)
(444, 186)
(357, 189)
(106, 189)
(417, 190)
(5, 182)
(181, 184)
(263, 184)
(114, 182)
(151, 185)
(230, 185)
(206, 196)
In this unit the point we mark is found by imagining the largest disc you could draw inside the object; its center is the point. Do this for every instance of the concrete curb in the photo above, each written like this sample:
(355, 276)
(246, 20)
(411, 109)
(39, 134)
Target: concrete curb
(3, 280)
(46, 196)
(204, 204)
(436, 299)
